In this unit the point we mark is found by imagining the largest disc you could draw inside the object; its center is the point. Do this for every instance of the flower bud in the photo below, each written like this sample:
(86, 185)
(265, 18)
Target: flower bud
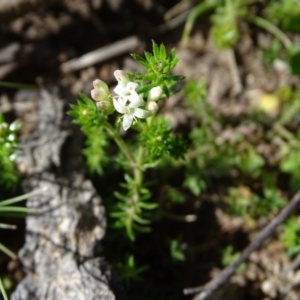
(152, 106)
(100, 85)
(121, 77)
(106, 107)
(155, 93)
(99, 95)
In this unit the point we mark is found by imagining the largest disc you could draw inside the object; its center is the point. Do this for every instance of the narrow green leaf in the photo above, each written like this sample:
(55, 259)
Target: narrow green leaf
(21, 198)
(140, 220)
(149, 206)
(120, 196)
(162, 52)
(7, 226)
(294, 59)
(7, 251)
(12, 209)
(140, 60)
(166, 91)
(129, 231)
(146, 88)
(156, 51)
(2, 289)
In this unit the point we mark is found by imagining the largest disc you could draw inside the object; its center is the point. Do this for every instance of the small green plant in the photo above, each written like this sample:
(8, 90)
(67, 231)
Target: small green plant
(291, 236)
(284, 13)
(228, 256)
(2, 290)
(7, 208)
(242, 201)
(137, 98)
(228, 14)
(129, 270)
(177, 250)
(8, 153)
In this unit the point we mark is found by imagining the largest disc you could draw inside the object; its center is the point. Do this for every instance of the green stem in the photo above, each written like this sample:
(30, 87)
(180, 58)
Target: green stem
(14, 85)
(271, 28)
(2, 290)
(15, 209)
(21, 198)
(7, 251)
(283, 132)
(120, 142)
(201, 8)
(135, 199)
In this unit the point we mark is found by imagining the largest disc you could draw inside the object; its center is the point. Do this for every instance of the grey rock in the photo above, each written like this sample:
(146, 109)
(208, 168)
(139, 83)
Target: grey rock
(64, 229)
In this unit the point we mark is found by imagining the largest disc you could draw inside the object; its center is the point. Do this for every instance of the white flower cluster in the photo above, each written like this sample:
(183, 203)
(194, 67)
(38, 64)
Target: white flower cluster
(127, 102)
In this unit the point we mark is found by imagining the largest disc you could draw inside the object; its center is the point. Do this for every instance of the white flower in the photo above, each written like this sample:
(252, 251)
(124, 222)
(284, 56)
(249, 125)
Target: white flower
(155, 93)
(121, 77)
(152, 106)
(130, 111)
(128, 92)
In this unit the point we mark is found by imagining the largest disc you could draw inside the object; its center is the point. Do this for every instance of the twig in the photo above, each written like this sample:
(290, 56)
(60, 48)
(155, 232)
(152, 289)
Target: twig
(101, 54)
(236, 80)
(171, 24)
(10, 10)
(216, 283)
(6, 69)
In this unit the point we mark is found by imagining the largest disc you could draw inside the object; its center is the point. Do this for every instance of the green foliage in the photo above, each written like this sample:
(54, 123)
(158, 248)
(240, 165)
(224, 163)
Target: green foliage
(284, 13)
(2, 290)
(160, 141)
(229, 13)
(129, 271)
(242, 202)
(146, 149)
(225, 30)
(90, 119)
(7, 208)
(228, 256)
(8, 153)
(269, 55)
(176, 250)
(194, 184)
(130, 209)
(86, 114)
(158, 66)
(294, 59)
(174, 195)
(291, 236)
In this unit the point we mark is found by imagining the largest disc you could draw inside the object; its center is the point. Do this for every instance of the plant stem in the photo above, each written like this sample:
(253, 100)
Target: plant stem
(120, 142)
(2, 290)
(14, 85)
(271, 28)
(7, 251)
(201, 8)
(21, 198)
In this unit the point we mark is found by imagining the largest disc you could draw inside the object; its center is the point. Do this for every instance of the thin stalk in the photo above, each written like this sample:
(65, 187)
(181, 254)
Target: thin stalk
(7, 226)
(283, 132)
(271, 28)
(13, 85)
(201, 8)
(15, 209)
(2, 290)
(120, 142)
(21, 198)
(138, 180)
(7, 251)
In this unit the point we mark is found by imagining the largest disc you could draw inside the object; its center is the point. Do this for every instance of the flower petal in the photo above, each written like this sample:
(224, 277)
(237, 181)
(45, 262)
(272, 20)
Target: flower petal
(132, 86)
(127, 120)
(121, 90)
(119, 107)
(135, 99)
(142, 113)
